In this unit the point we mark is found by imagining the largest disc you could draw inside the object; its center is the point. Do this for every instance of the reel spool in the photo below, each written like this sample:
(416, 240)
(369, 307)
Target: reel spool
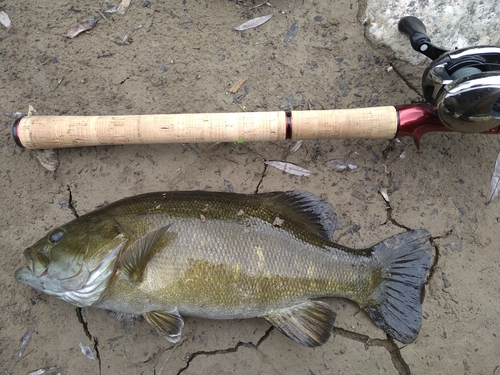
(463, 85)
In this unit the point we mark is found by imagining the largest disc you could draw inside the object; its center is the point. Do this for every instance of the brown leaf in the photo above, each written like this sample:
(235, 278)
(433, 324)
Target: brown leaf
(72, 32)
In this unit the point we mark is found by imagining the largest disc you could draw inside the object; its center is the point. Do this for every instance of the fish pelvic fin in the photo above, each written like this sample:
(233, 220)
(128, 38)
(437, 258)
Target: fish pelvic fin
(136, 256)
(167, 324)
(395, 304)
(309, 324)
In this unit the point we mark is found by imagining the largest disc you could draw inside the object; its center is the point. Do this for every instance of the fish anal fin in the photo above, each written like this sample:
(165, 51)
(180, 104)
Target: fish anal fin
(167, 324)
(124, 317)
(136, 256)
(309, 324)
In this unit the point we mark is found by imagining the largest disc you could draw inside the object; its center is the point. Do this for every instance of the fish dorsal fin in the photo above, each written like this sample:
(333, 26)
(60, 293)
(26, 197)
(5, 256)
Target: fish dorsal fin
(135, 258)
(168, 324)
(309, 324)
(306, 210)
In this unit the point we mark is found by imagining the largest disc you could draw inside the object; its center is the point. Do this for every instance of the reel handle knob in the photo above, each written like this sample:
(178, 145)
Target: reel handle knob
(415, 29)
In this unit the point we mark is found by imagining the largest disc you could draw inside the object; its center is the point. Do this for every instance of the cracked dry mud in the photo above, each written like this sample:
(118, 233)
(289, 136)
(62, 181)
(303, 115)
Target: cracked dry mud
(185, 59)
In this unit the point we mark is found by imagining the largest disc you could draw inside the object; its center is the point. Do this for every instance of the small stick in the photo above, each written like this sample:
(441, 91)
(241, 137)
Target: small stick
(127, 35)
(237, 86)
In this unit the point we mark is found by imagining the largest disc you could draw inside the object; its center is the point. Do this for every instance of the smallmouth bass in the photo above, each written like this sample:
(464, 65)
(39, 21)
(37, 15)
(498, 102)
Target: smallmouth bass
(229, 256)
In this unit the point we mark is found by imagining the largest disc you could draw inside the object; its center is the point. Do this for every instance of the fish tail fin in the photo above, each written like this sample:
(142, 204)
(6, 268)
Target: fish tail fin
(395, 304)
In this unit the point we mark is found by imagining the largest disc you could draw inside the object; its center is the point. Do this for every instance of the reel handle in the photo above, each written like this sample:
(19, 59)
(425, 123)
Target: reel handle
(463, 85)
(415, 29)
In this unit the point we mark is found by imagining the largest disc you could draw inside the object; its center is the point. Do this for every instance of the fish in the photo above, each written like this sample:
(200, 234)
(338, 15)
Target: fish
(165, 255)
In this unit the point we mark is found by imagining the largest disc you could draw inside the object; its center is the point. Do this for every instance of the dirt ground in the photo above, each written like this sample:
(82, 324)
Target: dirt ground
(183, 60)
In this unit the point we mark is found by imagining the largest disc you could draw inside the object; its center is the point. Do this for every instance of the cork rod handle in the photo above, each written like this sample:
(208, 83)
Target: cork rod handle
(77, 131)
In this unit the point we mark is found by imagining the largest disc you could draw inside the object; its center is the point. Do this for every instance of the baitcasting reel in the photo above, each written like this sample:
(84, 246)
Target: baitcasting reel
(463, 85)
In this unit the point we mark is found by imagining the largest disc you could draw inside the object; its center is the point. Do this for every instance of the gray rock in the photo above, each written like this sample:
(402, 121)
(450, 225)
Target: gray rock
(450, 24)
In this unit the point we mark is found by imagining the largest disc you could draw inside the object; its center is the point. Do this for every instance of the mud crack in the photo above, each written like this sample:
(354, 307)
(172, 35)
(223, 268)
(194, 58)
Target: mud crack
(437, 255)
(83, 322)
(406, 81)
(263, 174)
(70, 203)
(389, 344)
(390, 210)
(234, 349)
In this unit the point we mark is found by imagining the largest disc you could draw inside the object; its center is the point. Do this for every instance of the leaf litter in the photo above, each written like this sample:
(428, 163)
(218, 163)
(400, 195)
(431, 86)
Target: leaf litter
(253, 23)
(296, 147)
(5, 20)
(129, 33)
(51, 370)
(495, 180)
(87, 351)
(340, 165)
(120, 8)
(291, 33)
(289, 168)
(74, 31)
(26, 339)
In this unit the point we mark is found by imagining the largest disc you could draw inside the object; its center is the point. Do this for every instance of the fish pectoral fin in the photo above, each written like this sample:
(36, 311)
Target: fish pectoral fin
(135, 258)
(168, 324)
(309, 324)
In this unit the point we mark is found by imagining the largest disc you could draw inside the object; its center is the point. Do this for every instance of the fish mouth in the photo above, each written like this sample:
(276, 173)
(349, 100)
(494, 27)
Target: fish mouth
(36, 263)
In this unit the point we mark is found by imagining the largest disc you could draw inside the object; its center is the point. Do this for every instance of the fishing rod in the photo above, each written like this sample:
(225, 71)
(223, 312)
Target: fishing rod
(461, 89)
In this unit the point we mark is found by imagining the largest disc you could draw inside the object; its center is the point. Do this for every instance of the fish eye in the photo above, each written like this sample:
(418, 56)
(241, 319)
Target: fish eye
(56, 236)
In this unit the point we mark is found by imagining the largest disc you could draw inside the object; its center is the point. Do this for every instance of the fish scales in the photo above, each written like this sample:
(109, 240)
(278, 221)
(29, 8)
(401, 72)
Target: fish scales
(217, 261)
(225, 256)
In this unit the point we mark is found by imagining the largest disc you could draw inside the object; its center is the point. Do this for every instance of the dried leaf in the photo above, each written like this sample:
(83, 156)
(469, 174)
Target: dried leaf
(15, 115)
(352, 166)
(89, 353)
(387, 171)
(290, 34)
(5, 20)
(495, 180)
(384, 194)
(119, 9)
(50, 370)
(85, 26)
(31, 110)
(253, 23)
(129, 33)
(48, 158)
(26, 339)
(289, 168)
(340, 165)
(296, 147)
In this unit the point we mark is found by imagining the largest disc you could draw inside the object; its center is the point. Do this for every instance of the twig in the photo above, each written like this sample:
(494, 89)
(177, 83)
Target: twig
(452, 309)
(127, 35)
(256, 6)
(232, 161)
(239, 105)
(58, 83)
(103, 16)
